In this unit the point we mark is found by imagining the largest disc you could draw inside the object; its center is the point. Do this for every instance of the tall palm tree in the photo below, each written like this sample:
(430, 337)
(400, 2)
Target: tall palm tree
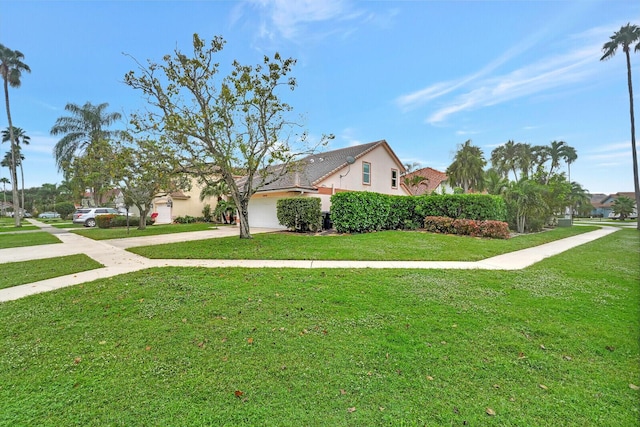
(85, 126)
(503, 159)
(11, 69)
(19, 137)
(555, 151)
(627, 36)
(4, 182)
(467, 169)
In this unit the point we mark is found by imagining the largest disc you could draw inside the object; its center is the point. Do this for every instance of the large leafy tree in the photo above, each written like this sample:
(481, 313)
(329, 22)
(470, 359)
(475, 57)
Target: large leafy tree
(20, 139)
(144, 169)
(11, 69)
(627, 36)
(89, 172)
(238, 123)
(86, 125)
(467, 168)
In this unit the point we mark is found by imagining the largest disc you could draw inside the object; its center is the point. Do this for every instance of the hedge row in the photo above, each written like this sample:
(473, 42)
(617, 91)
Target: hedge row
(300, 214)
(112, 220)
(358, 212)
(467, 227)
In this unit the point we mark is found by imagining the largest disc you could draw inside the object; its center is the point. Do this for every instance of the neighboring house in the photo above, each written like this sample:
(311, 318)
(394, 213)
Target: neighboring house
(604, 207)
(111, 198)
(432, 181)
(368, 167)
(181, 203)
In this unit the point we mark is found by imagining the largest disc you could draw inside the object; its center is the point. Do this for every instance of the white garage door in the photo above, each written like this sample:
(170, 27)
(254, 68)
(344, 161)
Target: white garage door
(263, 213)
(164, 214)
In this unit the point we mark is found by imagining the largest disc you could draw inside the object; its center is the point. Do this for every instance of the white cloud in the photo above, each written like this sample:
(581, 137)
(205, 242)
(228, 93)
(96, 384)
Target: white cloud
(480, 89)
(288, 18)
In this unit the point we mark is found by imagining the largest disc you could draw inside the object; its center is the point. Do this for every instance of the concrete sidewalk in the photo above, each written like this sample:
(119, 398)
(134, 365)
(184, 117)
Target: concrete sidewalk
(116, 260)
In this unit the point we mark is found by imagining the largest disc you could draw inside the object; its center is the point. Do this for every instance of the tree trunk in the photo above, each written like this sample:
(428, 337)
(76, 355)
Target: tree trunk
(243, 213)
(14, 176)
(634, 152)
(142, 225)
(22, 179)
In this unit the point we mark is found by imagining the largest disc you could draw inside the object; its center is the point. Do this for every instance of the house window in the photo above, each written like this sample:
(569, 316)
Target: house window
(394, 178)
(366, 173)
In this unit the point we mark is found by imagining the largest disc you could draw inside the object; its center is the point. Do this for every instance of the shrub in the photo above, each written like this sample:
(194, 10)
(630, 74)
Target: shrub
(112, 220)
(467, 227)
(469, 206)
(105, 221)
(187, 219)
(65, 209)
(438, 224)
(206, 213)
(359, 211)
(300, 214)
(494, 229)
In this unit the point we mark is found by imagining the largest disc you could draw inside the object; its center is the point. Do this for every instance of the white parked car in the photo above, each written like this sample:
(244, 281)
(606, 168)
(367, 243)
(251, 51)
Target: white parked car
(87, 216)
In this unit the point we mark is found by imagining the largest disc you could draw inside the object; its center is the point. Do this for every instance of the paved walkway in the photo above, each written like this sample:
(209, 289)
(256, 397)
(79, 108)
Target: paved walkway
(116, 260)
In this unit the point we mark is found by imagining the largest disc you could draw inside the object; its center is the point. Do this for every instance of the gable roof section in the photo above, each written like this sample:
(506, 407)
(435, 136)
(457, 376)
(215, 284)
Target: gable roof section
(434, 179)
(314, 168)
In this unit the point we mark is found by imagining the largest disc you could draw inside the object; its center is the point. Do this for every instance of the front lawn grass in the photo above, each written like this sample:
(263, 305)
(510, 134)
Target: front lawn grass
(15, 240)
(151, 230)
(18, 273)
(12, 228)
(381, 246)
(554, 344)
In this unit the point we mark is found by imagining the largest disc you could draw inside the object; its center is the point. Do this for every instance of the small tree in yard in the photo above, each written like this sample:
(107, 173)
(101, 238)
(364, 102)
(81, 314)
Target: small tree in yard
(238, 123)
(623, 206)
(145, 169)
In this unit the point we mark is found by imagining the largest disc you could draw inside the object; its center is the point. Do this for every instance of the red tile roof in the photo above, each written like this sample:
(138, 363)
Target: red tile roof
(433, 178)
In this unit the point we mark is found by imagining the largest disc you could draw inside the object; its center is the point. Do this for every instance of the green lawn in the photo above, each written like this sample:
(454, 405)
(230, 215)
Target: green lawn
(4, 228)
(18, 273)
(152, 230)
(14, 240)
(386, 245)
(555, 344)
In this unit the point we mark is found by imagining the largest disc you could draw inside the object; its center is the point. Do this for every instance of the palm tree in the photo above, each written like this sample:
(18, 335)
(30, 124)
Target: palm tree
(503, 159)
(11, 69)
(495, 183)
(628, 35)
(555, 152)
(85, 127)
(18, 137)
(4, 182)
(623, 206)
(467, 169)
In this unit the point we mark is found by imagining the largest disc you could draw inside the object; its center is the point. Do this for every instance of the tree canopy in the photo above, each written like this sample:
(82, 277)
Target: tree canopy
(239, 123)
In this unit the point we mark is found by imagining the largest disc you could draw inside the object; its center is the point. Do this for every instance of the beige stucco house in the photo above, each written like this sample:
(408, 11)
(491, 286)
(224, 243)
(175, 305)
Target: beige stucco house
(368, 167)
(181, 203)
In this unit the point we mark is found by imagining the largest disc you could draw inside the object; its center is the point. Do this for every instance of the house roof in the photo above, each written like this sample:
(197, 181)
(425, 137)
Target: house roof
(607, 200)
(311, 170)
(433, 179)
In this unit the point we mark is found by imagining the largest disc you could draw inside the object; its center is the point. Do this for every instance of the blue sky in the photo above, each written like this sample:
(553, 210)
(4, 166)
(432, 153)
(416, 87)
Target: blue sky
(423, 75)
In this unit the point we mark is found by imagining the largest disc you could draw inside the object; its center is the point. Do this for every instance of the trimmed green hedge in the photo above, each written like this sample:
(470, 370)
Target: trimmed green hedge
(300, 214)
(111, 220)
(359, 212)
(480, 207)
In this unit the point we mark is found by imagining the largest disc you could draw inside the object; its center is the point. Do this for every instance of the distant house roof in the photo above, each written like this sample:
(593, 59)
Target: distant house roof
(607, 200)
(309, 171)
(433, 179)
